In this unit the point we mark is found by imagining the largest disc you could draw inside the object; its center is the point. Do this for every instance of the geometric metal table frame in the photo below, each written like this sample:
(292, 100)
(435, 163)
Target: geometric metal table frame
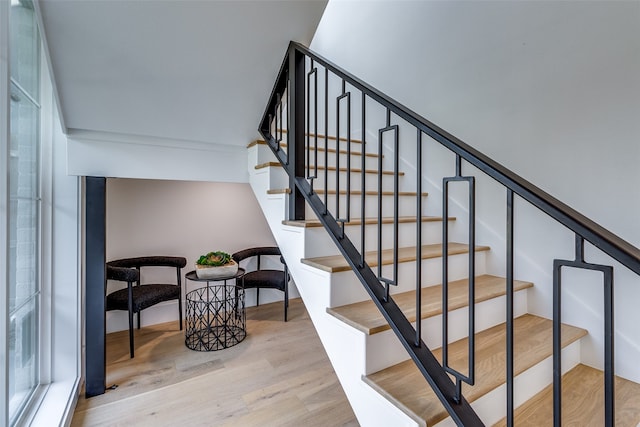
(215, 313)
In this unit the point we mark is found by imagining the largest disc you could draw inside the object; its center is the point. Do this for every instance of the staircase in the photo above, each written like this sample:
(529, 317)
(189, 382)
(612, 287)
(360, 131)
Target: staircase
(440, 337)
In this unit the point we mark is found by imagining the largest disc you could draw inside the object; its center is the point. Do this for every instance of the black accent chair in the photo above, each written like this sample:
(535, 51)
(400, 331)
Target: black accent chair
(135, 298)
(264, 278)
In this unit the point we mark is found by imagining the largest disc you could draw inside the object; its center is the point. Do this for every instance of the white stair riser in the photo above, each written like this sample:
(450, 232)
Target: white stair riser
(264, 154)
(319, 243)
(276, 177)
(337, 179)
(406, 205)
(491, 406)
(332, 159)
(384, 349)
(346, 288)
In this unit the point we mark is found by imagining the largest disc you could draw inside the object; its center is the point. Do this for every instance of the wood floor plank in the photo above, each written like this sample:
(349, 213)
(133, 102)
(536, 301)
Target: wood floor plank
(582, 402)
(280, 373)
(404, 385)
(337, 263)
(366, 317)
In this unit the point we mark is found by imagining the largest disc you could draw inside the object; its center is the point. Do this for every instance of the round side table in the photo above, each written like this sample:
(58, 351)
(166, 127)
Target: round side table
(215, 313)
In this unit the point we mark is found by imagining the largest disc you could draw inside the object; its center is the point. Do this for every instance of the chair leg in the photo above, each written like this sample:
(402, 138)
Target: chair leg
(131, 333)
(180, 310)
(286, 292)
(130, 309)
(257, 297)
(286, 300)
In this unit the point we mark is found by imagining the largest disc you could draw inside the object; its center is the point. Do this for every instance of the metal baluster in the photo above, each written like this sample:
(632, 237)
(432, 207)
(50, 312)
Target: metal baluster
(363, 185)
(419, 242)
(445, 272)
(379, 246)
(347, 217)
(557, 345)
(315, 123)
(348, 201)
(609, 350)
(396, 201)
(509, 338)
(609, 378)
(312, 177)
(394, 280)
(326, 138)
(470, 377)
(337, 213)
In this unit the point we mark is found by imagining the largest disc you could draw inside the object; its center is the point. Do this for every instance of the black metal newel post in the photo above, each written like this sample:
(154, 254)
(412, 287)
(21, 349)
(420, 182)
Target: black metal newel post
(296, 132)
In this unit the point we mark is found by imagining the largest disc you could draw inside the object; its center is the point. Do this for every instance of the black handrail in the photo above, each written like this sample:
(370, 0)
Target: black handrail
(290, 87)
(608, 242)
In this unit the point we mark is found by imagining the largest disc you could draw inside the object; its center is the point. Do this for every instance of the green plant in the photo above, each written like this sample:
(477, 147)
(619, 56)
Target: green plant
(214, 259)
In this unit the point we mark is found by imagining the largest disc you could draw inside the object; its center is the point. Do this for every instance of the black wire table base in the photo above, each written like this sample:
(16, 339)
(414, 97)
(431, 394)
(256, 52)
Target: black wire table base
(215, 318)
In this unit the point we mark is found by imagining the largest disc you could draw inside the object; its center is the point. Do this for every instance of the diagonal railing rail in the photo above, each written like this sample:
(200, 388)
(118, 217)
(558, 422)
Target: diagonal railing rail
(313, 98)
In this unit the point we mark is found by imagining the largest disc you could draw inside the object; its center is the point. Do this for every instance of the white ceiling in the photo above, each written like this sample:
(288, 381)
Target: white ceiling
(185, 70)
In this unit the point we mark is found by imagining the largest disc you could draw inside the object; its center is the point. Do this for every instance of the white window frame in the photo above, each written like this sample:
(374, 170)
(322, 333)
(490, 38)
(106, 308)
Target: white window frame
(4, 238)
(54, 401)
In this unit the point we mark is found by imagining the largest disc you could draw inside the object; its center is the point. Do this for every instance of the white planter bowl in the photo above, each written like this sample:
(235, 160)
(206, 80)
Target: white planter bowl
(209, 272)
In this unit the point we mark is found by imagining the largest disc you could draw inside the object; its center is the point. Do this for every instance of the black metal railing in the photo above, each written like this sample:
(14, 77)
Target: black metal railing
(313, 99)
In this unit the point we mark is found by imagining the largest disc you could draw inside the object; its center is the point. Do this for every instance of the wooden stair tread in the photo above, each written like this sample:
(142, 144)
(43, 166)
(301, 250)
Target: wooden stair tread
(404, 385)
(353, 192)
(330, 168)
(366, 317)
(337, 263)
(330, 150)
(313, 223)
(582, 402)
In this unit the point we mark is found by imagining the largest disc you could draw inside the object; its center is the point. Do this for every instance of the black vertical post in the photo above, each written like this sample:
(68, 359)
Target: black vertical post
(95, 253)
(296, 131)
(510, 296)
(609, 349)
(557, 343)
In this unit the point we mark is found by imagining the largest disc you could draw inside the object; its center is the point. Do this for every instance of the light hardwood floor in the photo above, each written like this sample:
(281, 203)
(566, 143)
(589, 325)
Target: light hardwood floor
(278, 376)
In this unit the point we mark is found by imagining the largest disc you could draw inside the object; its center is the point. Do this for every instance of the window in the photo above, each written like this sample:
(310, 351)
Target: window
(40, 215)
(23, 215)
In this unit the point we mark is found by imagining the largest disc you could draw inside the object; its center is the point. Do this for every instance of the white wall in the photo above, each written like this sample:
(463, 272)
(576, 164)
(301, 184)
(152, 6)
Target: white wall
(181, 218)
(549, 89)
(130, 156)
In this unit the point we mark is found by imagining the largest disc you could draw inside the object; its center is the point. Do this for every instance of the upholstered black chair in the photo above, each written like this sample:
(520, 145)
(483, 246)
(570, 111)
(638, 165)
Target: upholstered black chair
(136, 296)
(264, 278)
